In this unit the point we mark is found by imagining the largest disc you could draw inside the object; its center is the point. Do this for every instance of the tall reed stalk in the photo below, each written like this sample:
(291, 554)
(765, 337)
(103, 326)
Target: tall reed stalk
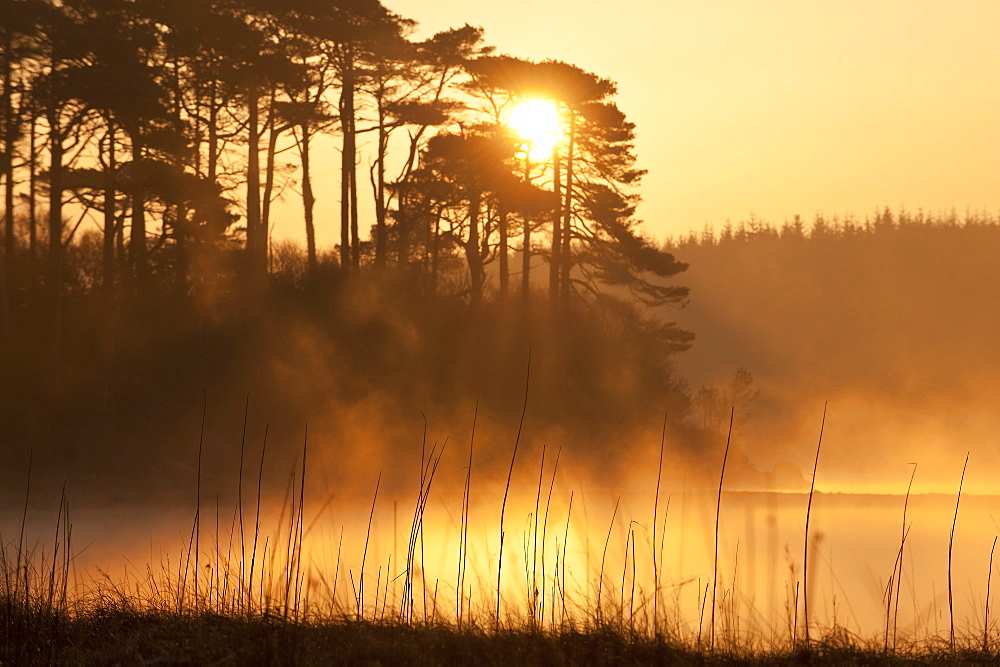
(604, 556)
(896, 580)
(364, 554)
(463, 535)
(805, 546)
(239, 495)
(506, 490)
(545, 528)
(951, 548)
(986, 617)
(718, 510)
(656, 508)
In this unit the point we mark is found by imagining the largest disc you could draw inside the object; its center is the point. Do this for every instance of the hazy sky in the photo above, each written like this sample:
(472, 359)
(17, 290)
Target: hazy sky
(779, 107)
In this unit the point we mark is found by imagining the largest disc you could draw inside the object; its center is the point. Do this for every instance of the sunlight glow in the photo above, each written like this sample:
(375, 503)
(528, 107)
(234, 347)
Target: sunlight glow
(537, 122)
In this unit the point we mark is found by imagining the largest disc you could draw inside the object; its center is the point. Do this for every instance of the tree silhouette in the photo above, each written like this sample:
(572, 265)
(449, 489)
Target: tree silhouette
(440, 61)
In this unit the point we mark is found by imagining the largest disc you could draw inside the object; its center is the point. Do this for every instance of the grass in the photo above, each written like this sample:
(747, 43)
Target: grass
(268, 598)
(120, 634)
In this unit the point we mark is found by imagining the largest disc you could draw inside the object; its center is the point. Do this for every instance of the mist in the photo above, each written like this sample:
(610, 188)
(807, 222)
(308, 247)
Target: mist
(497, 401)
(888, 319)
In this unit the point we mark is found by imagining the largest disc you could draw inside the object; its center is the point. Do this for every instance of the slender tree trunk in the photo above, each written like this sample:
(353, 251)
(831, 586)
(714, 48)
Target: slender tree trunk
(4, 301)
(308, 200)
(472, 251)
(272, 150)
(355, 236)
(566, 256)
(55, 250)
(185, 238)
(7, 170)
(404, 228)
(137, 243)
(108, 256)
(109, 265)
(380, 207)
(9, 138)
(256, 244)
(32, 192)
(503, 225)
(526, 254)
(435, 247)
(555, 263)
(348, 191)
(55, 204)
(213, 141)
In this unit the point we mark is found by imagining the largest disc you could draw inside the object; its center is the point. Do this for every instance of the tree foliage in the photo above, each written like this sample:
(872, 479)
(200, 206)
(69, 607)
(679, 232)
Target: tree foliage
(170, 130)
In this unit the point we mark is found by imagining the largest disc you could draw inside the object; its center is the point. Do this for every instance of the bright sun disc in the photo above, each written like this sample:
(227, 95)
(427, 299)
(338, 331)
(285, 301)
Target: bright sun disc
(537, 122)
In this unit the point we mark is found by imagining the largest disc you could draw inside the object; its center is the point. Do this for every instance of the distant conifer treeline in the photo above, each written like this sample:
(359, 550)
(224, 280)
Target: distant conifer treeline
(896, 308)
(825, 228)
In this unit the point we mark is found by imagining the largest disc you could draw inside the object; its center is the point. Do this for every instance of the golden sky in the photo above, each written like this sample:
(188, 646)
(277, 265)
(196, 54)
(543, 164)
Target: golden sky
(779, 107)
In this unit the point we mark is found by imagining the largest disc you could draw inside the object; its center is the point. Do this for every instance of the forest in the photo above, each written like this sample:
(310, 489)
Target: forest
(150, 147)
(887, 316)
(285, 260)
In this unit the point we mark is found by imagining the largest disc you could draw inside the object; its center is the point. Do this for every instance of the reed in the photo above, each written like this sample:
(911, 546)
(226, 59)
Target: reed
(207, 583)
(951, 550)
(986, 615)
(506, 489)
(805, 547)
(718, 511)
(656, 507)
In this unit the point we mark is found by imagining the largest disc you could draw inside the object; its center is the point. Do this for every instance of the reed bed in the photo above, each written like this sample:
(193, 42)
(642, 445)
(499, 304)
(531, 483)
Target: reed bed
(247, 587)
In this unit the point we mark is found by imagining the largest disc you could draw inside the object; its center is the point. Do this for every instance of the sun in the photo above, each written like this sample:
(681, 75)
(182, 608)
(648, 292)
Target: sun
(537, 123)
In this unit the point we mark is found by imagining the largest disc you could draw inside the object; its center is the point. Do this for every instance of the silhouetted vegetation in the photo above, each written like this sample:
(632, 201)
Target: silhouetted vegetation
(885, 316)
(148, 150)
(858, 301)
(147, 146)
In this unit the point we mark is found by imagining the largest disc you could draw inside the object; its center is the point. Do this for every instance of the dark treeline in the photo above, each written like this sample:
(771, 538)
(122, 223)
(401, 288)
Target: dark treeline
(891, 318)
(146, 143)
(897, 301)
(823, 228)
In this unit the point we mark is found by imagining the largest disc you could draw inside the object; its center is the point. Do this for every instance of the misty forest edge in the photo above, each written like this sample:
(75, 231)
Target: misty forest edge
(138, 118)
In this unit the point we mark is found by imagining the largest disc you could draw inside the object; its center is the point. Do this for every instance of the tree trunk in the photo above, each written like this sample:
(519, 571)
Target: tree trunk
(380, 208)
(347, 162)
(355, 236)
(308, 200)
(6, 158)
(256, 245)
(555, 262)
(108, 256)
(504, 250)
(4, 301)
(213, 141)
(473, 254)
(272, 149)
(404, 229)
(566, 257)
(55, 250)
(138, 238)
(109, 272)
(7, 169)
(32, 190)
(435, 247)
(526, 253)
